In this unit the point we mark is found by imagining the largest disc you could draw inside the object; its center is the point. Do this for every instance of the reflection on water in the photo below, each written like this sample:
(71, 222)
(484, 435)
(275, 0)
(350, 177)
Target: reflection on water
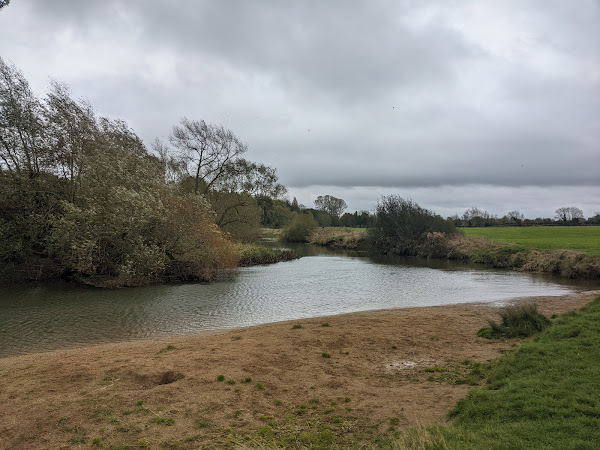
(60, 315)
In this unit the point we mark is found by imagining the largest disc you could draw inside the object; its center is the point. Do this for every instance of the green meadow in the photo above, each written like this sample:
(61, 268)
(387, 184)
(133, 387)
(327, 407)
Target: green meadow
(543, 395)
(583, 239)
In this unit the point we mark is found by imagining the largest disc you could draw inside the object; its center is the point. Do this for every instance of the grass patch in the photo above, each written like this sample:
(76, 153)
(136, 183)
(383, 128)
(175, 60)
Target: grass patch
(168, 348)
(582, 239)
(543, 395)
(326, 355)
(517, 321)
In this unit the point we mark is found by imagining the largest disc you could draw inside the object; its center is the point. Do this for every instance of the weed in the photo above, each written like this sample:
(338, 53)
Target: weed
(221, 378)
(435, 369)
(230, 381)
(296, 327)
(126, 413)
(237, 338)
(104, 412)
(325, 355)
(260, 386)
(143, 443)
(278, 403)
(202, 424)
(518, 321)
(328, 410)
(325, 324)
(97, 441)
(139, 403)
(168, 348)
(247, 380)
(394, 347)
(164, 420)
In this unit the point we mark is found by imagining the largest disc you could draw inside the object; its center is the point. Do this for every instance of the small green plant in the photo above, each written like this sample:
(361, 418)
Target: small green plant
(278, 403)
(164, 420)
(325, 355)
(232, 382)
(168, 348)
(202, 424)
(237, 338)
(260, 386)
(143, 443)
(139, 403)
(296, 327)
(325, 324)
(221, 378)
(97, 441)
(247, 380)
(394, 347)
(517, 321)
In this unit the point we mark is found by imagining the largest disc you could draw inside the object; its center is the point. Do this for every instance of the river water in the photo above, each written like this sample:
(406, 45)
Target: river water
(59, 315)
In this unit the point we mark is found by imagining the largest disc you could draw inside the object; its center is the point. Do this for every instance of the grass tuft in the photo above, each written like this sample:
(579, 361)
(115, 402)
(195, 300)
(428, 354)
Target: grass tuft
(517, 321)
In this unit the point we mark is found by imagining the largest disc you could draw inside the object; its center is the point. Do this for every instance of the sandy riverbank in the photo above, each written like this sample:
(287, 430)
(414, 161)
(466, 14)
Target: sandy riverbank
(164, 393)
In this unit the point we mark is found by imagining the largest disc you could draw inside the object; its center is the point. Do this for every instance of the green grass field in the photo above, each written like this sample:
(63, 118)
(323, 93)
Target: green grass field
(583, 239)
(544, 395)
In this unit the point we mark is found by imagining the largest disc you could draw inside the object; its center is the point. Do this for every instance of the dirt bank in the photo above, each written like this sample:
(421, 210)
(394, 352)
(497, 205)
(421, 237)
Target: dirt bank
(355, 379)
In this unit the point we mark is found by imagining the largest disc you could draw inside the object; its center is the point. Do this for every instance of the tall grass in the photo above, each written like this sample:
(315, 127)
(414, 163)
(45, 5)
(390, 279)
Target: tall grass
(517, 321)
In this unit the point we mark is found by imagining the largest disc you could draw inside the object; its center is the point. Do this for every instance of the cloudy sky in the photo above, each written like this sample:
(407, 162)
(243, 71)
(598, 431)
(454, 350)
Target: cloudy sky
(453, 103)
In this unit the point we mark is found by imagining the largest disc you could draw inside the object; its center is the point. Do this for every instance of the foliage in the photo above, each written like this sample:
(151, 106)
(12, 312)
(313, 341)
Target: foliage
(83, 191)
(300, 229)
(518, 321)
(401, 225)
(331, 205)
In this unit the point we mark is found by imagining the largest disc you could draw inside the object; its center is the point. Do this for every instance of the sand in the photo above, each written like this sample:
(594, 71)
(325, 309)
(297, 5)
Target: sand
(359, 375)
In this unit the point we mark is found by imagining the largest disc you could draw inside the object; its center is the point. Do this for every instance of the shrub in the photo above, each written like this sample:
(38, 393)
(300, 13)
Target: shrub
(401, 226)
(300, 229)
(517, 321)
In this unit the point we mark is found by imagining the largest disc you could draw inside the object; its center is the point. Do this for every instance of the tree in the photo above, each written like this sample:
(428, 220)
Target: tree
(209, 151)
(295, 207)
(330, 204)
(568, 214)
(515, 217)
(4, 3)
(23, 146)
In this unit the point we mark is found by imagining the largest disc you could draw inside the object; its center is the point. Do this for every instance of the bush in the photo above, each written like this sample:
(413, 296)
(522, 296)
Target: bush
(300, 229)
(402, 226)
(517, 321)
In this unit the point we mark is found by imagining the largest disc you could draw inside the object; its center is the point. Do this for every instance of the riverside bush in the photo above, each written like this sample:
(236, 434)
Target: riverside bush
(300, 229)
(402, 227)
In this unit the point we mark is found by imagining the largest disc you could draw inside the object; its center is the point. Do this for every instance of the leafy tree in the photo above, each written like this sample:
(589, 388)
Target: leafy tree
(295, 207)
(331, 205)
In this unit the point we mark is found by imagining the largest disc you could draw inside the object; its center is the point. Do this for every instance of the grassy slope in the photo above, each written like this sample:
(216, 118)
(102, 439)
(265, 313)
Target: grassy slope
(583, 239)
(546, 394)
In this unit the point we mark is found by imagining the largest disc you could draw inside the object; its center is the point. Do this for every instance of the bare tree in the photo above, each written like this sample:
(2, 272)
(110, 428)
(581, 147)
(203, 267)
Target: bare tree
(568, 214)
(208, 151)
(515, 216)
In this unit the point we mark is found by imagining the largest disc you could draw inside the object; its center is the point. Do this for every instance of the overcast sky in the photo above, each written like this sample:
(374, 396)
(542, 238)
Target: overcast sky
(451, 103)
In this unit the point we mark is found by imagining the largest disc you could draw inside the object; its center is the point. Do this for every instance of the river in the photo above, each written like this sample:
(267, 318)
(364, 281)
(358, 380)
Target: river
(58, 315)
